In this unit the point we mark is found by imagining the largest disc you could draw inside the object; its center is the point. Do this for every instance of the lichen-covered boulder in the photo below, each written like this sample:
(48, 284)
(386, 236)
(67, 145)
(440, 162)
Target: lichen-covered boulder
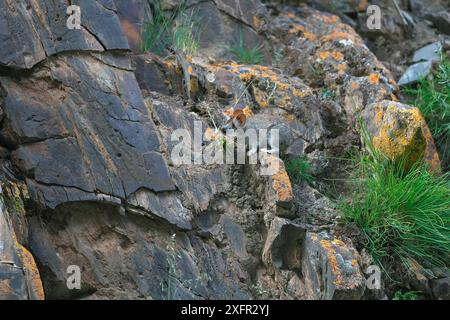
(331, 268)
(400, 132)
(19, 276)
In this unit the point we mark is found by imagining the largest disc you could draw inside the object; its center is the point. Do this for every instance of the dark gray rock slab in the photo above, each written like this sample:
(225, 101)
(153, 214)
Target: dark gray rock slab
(81, 125)
(32, 30)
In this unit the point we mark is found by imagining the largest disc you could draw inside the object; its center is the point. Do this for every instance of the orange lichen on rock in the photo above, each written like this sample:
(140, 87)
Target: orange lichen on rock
(258, 22)
(341, 67)
(337, 55)
(338, 34)
(283, 187)
(309, 36)
(328, 19)
(289, 117)
(374, 79)
(246, 77)
(32, 272)
(297, 29)
(332, 260)
(355, 85)
(298, 93)
(247, 112)
(323, 55)
(402, 134)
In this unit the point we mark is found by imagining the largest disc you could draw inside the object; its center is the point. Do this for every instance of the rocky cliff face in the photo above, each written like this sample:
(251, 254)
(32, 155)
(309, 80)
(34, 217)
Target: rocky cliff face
(86, 124)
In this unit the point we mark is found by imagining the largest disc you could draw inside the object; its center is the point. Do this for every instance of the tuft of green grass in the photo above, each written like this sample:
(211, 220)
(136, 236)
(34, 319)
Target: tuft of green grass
(432, 97)
(402, 214)
(171, 32)
(299, 170)
(247, 56)
(409, 295)
(184, 39)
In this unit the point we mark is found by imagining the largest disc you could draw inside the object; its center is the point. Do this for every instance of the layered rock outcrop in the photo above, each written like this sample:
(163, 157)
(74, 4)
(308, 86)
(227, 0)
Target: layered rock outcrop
(87, 124)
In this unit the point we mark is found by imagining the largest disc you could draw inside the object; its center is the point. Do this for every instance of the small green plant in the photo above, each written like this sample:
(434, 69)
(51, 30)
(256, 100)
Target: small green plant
(278, 56)
(171, 32)
(409, 295)
(327, 93)
(247, 56)
(317, 74)
(402, 214)
(432, 97)
(299, 170)
(183, 38)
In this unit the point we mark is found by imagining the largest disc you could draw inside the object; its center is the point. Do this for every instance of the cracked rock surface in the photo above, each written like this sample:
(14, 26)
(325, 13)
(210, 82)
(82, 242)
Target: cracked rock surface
(85, 153)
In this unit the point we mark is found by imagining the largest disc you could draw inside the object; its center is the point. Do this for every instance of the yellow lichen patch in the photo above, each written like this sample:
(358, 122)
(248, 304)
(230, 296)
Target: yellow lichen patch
(323, 55)
(260, 98)
(257, 22)
(337, 55)
(190, 70)
(31, 271)
(328, 19)
(298, 93)
(297, 29)
(339, 34)
(282, 186)
(309, 36)
(247, 112)
(289, 117)
(246, 77)
(339, 242)
(284, 101)
(400, 134)
(378, 116)
(354, 85)
(194, 85)
(282, 86)
(374, 79)
(332, 260)
(341, 68)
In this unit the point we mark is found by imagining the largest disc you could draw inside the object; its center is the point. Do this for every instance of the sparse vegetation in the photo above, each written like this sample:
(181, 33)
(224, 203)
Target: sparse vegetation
(171, 32)
(409, 295)
(245, 55)
(278, 57)
(299, 170)
(402, 214)
(173, 281)
(432, 97)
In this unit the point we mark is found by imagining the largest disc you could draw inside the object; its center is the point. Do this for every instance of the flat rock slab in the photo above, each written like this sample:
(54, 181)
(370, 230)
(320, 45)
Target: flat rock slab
(32, 30)
(80, 128)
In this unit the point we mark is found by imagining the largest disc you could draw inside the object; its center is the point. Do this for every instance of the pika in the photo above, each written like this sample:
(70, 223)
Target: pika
(276, 131)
